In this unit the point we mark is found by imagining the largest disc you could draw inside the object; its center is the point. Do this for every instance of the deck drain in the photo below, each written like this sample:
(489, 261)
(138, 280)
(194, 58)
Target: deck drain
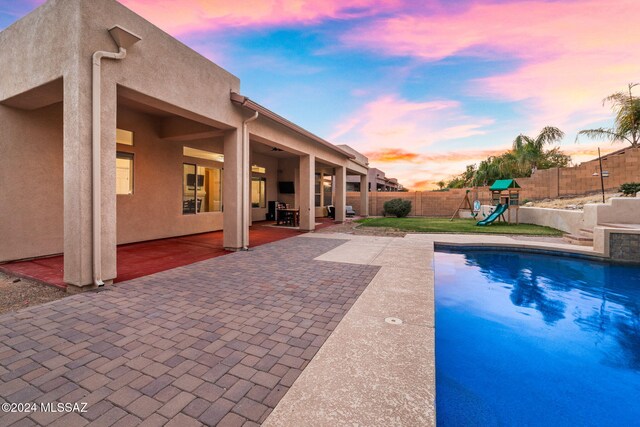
(393, 321)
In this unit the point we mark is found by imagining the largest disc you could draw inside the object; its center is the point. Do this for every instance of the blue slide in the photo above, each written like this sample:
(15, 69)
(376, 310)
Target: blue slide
(499, 210)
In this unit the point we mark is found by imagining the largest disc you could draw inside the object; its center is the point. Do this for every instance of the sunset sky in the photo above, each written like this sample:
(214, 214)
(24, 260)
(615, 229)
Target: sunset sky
(421, 87)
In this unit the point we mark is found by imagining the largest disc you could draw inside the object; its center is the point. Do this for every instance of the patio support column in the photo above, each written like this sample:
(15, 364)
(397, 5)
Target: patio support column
(233, 220)
(364, 196)
(77, 182)
(341, 193)
(307, 192)
(108, 208)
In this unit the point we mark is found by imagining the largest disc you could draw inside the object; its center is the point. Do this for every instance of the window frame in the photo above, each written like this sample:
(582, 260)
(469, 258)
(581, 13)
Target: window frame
(124, 132)
(196, 167)
(261, 179)
(125, 155)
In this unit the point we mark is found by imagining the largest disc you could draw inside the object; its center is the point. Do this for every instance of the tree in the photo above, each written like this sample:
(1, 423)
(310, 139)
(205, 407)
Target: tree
(626, 126)
(529, 152)
(526, 155)
(441, 184)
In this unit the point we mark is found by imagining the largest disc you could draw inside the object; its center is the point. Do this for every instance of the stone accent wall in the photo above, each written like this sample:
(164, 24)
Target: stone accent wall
(624, 246)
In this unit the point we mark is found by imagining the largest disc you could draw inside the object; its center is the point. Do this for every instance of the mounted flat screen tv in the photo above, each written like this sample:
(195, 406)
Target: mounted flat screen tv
(191, 180)
(286, 187)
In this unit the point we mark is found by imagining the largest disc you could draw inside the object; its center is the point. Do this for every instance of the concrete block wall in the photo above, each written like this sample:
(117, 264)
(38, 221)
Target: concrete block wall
(423, 203)
(544, 184)
(578, 180)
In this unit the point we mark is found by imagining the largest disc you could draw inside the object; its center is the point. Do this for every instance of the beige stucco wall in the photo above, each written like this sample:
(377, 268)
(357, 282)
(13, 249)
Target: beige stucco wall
(31, 202)
(273, 134)
(271, 166)
(154, 210)
(287, 171)
(619, 210)
(569, 221)
(58, 40)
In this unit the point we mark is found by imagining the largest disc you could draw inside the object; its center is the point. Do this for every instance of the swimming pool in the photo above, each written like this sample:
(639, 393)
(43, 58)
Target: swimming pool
(532, 339)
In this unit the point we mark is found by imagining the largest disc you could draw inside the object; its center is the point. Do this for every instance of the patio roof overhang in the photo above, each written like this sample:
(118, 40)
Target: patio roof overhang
(244, 101)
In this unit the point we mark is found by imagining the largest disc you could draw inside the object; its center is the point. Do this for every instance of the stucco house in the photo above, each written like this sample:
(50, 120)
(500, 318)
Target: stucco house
(112, 132)
(377, 181)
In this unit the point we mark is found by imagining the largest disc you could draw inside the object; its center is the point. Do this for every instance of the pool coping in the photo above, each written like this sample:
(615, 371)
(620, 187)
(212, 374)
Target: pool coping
(534, 248)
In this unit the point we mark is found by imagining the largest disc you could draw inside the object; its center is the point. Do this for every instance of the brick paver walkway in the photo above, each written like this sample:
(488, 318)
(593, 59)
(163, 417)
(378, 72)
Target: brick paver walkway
(220, 341)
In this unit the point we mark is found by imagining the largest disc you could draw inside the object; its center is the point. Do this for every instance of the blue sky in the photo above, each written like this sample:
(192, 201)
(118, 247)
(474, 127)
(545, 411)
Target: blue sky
(422, 88)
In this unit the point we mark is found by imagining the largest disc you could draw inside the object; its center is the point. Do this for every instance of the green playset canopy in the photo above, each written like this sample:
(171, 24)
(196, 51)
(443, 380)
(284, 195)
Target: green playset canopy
(504, 184)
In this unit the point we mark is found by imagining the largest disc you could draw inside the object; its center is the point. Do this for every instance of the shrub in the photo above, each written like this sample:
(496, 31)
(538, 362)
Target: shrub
(397, 207)
(630, 188)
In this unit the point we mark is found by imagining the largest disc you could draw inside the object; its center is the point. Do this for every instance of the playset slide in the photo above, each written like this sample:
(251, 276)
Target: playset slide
(499, 210)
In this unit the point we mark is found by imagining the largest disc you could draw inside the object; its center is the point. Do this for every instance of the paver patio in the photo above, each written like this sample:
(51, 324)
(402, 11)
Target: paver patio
(219, 341)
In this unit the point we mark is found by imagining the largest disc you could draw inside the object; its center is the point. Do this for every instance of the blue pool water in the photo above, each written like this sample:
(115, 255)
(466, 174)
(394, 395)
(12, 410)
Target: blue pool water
(529, 339)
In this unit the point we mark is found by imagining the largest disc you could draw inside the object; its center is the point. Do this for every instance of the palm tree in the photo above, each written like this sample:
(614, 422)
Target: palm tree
(441, 184)
(626, 126)
(529, 152)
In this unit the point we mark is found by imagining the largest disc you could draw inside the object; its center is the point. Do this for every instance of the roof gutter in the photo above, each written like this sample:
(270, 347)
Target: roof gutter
(124, 39)
(245, 180)
(248, 103)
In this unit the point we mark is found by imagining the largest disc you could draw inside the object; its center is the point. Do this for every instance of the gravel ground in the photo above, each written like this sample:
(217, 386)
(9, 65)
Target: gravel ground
(18, 293)
(572, 202)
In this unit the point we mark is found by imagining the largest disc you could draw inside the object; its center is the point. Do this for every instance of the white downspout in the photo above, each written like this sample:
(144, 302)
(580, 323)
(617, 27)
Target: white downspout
(96, 178)
(245, 180)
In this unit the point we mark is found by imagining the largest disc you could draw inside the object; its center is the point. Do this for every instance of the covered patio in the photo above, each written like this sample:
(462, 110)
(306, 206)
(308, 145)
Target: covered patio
(144, 258)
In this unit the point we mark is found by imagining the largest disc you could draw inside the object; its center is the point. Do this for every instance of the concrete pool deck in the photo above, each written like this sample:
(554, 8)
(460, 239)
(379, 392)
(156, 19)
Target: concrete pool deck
(370, 372)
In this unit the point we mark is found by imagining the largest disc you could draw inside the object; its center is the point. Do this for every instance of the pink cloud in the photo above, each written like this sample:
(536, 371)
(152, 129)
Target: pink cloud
(400, 135)
(415, 124)
(571, 54)
(185, 16)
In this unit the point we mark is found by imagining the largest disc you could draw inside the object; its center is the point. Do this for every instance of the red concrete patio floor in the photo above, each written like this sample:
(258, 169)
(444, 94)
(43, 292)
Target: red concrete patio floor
(144, 258)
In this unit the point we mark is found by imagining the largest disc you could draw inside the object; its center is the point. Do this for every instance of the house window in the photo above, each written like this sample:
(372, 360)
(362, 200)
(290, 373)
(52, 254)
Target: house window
(124, 173)
(258, 192)
(201, 189)
(202, 154)
(327, 188)
(124, 137)
(318, 189)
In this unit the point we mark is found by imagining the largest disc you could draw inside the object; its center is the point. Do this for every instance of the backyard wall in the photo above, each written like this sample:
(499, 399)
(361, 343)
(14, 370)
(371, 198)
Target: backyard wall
(623, 166)
(423, 203)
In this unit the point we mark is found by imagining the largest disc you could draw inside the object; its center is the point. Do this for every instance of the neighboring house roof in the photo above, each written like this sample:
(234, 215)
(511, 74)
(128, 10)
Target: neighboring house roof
(246, 102)
(504, 184)
(360, 158)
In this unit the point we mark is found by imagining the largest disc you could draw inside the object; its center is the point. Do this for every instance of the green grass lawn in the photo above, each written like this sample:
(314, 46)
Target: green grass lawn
(443, 225)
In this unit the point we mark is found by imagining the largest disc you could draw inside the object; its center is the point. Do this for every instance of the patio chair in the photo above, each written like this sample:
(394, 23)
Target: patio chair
(350, 212)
